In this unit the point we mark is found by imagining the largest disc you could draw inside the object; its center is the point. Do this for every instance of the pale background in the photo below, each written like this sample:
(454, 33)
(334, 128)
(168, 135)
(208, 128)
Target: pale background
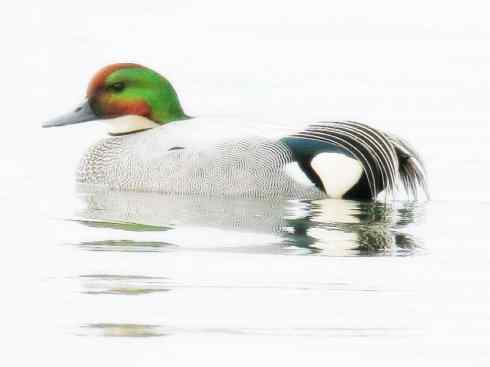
(417, 68)
(418, 64)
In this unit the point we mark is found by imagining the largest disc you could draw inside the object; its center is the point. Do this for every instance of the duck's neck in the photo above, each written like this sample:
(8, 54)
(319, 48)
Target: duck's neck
(166, 108)
(129, 124)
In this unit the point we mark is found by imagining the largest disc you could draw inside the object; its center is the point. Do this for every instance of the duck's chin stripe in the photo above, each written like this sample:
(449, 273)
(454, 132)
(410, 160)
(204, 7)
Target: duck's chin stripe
(129, 124)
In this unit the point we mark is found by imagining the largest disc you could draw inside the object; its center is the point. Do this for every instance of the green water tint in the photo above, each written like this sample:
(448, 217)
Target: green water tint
(122, 330)
(128, 285)
(132, 227)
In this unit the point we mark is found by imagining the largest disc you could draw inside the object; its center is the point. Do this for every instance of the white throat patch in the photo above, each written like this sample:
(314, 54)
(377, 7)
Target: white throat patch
(128, 124)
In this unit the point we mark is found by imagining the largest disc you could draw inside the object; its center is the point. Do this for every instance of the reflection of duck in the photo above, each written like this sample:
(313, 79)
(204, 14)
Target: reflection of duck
(157, 147)
(150, 211)
(358, 228)
(339, 227)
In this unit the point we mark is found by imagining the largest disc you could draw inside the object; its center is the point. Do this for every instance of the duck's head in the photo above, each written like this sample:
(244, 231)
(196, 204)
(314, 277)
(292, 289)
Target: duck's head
(129, 97)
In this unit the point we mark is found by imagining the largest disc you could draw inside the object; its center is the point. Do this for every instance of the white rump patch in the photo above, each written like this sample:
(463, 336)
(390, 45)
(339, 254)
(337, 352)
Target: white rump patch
(129, 123)
(294, 171)
(338, 172)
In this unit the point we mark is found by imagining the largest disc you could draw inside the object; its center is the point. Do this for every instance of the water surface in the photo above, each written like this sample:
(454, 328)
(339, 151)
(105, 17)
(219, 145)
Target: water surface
(280, 278)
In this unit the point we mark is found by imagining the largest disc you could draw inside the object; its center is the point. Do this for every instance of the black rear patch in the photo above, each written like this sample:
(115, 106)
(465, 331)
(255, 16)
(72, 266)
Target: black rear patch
(360, 191)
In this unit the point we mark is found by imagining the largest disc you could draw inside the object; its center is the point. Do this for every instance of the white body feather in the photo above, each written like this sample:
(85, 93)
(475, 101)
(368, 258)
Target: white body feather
(223, 159)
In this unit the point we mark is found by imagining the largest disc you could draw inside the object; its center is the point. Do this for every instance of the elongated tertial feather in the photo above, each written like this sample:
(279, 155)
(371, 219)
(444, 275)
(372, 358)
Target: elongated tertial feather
(386, 160)
(412, 170)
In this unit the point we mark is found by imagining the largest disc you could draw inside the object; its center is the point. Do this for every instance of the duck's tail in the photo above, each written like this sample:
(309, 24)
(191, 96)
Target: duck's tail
(411, 169)
(386, 159)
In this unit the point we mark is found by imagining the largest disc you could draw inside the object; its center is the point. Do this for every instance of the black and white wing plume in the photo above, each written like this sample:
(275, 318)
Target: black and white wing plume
(386, 160)
(412, 171)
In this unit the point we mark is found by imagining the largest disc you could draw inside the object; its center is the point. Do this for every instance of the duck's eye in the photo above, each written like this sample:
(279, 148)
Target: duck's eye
(117, 87)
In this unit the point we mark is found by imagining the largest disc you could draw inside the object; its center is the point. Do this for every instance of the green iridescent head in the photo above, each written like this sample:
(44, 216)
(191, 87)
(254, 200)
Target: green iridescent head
(127, 90)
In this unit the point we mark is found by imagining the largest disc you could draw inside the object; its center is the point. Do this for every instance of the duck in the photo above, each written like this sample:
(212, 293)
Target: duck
(154, 146)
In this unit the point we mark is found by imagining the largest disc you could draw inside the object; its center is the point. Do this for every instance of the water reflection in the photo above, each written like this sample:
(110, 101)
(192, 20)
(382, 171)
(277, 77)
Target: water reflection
(126, 246)
(327, 227)
(191, 236)
(146, 330)
(131, 227)
(129, 285)
(347, 228)
(122, 330)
